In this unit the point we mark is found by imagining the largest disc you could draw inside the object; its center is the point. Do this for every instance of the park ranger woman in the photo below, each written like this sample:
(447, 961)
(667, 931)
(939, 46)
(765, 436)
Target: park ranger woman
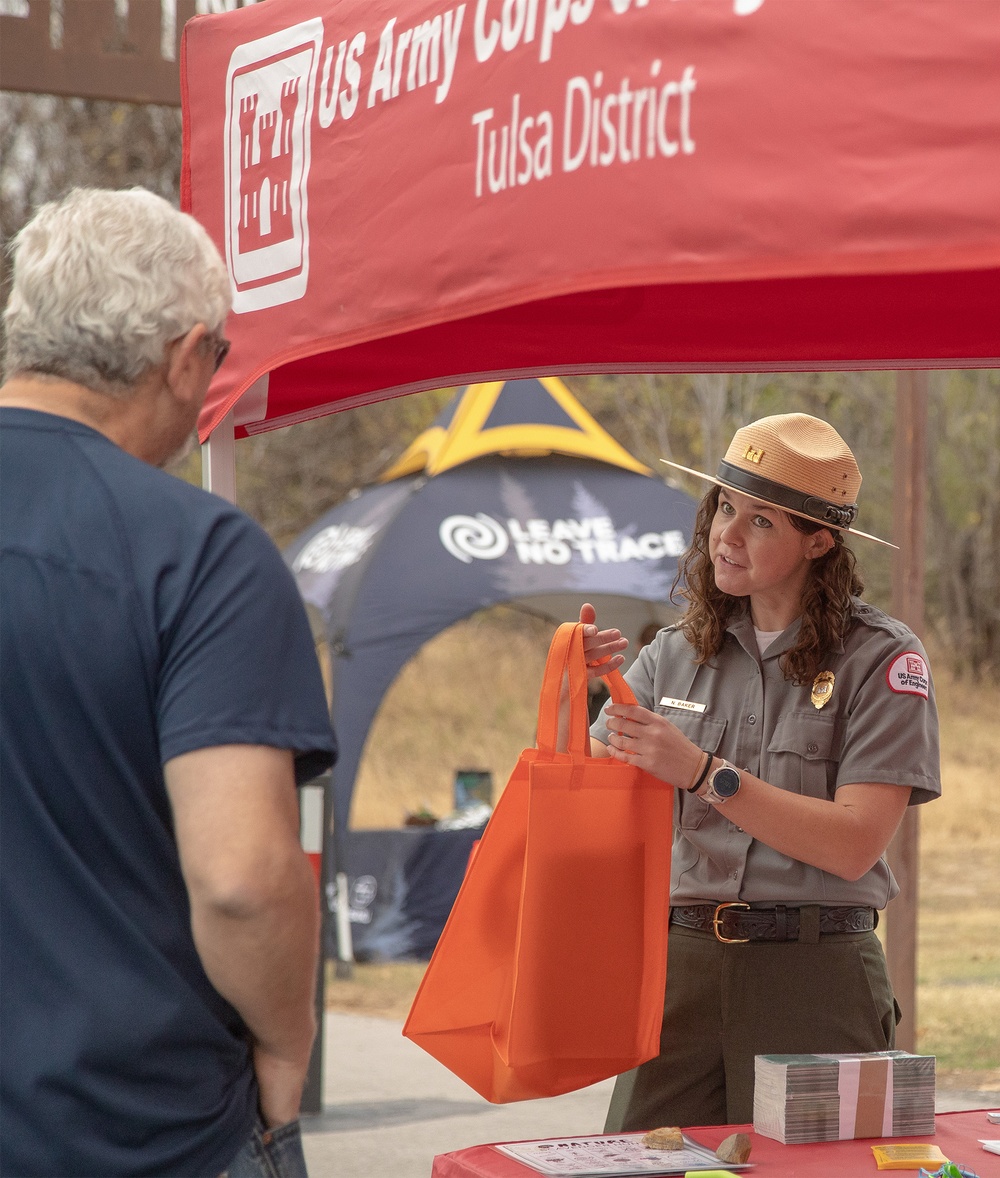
(796, 723)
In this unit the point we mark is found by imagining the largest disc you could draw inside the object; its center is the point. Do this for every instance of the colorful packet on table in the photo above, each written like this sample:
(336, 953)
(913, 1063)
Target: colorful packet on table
(908, 1157)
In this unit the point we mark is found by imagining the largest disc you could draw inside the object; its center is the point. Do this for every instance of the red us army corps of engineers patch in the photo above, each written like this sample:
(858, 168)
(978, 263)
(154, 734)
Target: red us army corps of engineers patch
(908, 674)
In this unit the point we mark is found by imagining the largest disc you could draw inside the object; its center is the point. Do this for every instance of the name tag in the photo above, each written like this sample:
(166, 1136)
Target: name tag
(685, 705)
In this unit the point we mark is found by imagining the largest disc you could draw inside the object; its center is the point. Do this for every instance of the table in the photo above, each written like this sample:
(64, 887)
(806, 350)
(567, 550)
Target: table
(956, 1134)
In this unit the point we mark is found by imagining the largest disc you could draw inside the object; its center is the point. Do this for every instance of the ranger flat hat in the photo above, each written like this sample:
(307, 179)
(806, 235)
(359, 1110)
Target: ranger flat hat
(798, 463)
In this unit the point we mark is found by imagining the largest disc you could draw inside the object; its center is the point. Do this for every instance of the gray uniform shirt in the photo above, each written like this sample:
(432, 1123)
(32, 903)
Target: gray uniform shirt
(878, 724)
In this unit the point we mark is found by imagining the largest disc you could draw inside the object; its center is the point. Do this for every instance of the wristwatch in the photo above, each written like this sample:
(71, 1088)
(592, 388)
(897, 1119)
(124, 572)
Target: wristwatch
(722, 783)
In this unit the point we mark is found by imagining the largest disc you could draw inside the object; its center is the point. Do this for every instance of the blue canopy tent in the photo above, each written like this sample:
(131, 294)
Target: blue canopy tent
(515, 495)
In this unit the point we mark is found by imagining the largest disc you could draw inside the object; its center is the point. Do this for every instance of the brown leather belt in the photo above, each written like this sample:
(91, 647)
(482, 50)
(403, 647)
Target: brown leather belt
(737, 923)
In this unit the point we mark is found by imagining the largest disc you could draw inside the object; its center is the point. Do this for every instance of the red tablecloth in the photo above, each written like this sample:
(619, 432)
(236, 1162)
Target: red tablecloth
(956, 1134)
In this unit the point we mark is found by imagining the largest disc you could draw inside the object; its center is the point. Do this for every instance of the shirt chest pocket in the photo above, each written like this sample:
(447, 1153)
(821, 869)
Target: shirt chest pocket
(707, 733)
(803, 755)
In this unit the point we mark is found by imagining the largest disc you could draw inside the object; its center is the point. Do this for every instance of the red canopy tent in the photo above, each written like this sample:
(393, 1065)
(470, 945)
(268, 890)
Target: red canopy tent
(437, 193)
(421, 195)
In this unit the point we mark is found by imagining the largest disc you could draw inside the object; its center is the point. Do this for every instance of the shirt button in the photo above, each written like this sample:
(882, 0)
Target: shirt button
(736, 875)
(812, 748)
(751, 719)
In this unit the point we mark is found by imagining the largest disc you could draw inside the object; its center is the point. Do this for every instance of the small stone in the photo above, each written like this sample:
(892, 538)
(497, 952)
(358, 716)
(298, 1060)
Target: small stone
(736, 1148)
(669, 1137)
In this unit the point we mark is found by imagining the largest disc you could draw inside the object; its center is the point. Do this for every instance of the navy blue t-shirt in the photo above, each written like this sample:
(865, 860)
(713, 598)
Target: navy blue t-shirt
(140, 618)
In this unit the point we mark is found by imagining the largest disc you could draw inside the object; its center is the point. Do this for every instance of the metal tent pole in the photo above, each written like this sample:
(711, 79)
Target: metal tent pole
(908, 531)
(218, 474)
(218, 460)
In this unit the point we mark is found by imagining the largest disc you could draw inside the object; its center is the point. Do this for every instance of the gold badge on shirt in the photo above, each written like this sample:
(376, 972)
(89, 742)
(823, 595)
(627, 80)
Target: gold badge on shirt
(822, 689)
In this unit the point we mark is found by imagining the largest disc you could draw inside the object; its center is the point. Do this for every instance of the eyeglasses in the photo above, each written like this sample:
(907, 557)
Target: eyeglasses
(221, 347)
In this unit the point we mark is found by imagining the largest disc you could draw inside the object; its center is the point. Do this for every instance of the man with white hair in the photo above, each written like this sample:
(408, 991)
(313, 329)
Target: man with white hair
(160, 699)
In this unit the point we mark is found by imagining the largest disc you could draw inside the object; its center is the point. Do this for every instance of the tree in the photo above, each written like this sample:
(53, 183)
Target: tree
(48, 145)
(964, 556)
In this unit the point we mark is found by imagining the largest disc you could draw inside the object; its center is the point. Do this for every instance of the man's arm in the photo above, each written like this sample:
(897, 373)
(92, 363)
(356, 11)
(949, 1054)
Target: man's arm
(254, 913)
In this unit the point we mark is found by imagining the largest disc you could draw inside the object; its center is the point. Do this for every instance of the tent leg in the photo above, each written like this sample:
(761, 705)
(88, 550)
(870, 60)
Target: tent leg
(337, 838)
(218, 474)
(312, 811)
(218, 460)
(909, 524)
(345, 947)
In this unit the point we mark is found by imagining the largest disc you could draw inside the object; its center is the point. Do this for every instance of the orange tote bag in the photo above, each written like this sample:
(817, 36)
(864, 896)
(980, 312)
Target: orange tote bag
(549, 974)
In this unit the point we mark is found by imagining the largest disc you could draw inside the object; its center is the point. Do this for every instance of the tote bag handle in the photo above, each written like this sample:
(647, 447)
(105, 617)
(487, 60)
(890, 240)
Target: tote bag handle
(566, 659)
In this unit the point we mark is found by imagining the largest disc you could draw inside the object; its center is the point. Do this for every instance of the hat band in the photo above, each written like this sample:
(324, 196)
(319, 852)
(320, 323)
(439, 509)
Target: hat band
(821, 510)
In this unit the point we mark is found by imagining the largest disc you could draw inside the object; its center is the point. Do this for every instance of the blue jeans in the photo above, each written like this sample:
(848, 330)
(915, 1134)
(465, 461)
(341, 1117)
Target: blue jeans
(270, 1153)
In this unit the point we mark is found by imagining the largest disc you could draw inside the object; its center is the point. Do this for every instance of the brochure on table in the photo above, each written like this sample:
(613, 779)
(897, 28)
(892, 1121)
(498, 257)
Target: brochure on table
(612, 1157)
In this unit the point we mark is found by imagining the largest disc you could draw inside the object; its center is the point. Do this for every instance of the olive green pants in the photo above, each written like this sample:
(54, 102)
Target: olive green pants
(725, 1004)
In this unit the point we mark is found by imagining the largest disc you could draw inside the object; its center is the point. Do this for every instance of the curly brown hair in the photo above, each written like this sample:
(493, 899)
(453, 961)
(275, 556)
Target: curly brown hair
(826, 600)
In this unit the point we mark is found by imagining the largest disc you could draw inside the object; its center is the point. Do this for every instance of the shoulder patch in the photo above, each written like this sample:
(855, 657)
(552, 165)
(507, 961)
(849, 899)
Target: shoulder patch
(908, 675)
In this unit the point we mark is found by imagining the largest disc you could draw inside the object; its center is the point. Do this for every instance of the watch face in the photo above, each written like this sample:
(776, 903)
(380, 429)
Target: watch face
(726, 782)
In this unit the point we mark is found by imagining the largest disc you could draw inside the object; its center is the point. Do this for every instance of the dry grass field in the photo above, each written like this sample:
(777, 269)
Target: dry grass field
(469, 700)
(958, 997)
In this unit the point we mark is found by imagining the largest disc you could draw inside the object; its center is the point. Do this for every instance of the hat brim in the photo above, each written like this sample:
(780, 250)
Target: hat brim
(710, 478)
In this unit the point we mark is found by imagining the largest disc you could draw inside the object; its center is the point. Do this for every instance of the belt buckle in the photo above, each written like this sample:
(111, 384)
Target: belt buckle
(717, 923)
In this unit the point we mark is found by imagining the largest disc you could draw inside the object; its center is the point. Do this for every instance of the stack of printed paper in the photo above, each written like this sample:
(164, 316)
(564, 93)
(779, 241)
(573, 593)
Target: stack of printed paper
(799, 1098)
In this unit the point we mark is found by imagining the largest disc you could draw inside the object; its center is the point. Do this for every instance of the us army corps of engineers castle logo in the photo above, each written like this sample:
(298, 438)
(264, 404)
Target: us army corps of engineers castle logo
(269, 98)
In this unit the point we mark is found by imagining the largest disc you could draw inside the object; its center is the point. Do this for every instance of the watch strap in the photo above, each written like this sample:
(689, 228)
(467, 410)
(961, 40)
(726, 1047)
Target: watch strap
(708, 792)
